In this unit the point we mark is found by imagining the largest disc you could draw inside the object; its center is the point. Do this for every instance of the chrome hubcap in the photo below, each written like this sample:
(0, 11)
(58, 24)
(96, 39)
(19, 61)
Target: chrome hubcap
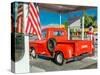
(59, 58)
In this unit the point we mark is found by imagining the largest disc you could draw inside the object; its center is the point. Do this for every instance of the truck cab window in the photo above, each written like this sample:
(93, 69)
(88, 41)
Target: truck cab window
(44, 34)
(58, 33)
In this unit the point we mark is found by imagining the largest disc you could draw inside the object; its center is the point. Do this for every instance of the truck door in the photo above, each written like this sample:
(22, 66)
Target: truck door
(59, 36)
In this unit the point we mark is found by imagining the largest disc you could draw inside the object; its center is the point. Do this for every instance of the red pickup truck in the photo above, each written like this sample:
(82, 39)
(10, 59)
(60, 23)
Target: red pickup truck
(55, 44)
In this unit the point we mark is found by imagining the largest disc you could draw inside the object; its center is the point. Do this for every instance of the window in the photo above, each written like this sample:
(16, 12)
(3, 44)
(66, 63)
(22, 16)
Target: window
(58, 33)
(33, 37)
(44, 34)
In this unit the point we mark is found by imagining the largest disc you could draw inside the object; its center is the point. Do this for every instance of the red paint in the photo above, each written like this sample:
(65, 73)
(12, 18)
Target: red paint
(69, 48)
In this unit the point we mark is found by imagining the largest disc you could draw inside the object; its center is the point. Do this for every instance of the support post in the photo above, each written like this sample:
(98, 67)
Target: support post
(68, 32)
(23, 66)
(83, 26)
(60, 19)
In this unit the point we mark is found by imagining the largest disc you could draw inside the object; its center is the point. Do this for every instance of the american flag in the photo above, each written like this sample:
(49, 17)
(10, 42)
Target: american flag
(33, 22)
(20, 18)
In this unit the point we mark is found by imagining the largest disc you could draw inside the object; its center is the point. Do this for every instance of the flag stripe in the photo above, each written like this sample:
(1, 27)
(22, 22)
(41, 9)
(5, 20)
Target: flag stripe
(20, 18)
(19, 25)
(33, 25)
(38, 14)
(20, 14)
(35, 12)
(29, 28)
(35, 21)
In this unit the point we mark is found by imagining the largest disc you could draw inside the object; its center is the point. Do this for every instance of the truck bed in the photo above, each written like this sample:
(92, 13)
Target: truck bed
(79, 46)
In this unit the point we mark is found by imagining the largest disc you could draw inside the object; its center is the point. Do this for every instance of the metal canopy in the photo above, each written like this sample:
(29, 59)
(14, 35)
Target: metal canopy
(63, 8)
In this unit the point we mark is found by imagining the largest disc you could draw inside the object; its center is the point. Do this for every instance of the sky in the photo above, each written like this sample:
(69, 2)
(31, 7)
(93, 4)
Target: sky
(47, 17)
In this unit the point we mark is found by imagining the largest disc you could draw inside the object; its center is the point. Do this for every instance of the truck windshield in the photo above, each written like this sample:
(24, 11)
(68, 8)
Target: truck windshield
(44, 34)
(35, 37)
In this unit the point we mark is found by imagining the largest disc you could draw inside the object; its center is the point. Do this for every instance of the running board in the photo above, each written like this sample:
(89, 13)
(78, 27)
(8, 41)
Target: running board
(77, 58)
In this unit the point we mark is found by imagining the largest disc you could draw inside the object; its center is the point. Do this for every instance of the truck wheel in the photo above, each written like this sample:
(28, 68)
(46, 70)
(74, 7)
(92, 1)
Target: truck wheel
(33, 54)
(59, 59)
(51, 44)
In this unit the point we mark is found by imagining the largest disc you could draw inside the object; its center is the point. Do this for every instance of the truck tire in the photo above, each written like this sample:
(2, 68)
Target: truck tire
(51, 44)
(32, 53)
(59, 59)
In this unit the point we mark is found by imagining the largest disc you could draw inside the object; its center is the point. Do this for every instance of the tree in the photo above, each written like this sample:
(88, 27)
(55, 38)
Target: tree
(89, 21)
(66, 25)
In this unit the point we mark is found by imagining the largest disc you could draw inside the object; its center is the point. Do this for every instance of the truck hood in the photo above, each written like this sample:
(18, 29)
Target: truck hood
(37, 41)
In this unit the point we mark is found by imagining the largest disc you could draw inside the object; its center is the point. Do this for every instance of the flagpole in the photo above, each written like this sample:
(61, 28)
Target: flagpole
(60, 19)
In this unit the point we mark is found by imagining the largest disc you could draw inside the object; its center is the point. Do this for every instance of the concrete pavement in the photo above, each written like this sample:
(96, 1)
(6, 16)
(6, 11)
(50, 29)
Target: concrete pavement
(44, 64)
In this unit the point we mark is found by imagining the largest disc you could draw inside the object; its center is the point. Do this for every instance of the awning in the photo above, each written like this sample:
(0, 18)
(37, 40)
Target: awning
(63, 8)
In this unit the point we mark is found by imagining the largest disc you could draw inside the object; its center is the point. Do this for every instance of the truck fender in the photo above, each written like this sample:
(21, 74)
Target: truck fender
(68, 53)
(67, 50)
